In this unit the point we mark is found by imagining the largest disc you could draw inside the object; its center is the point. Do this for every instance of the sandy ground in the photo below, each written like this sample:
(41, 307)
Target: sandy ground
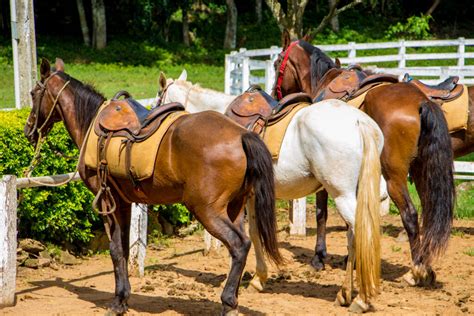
(180, 280)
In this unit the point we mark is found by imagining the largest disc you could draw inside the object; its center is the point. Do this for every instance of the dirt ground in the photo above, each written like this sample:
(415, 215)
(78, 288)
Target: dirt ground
(180, 280)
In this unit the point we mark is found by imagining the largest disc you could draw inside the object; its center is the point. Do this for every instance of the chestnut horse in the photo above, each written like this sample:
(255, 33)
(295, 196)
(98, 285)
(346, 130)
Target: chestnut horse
(416, 143)
(205, 161)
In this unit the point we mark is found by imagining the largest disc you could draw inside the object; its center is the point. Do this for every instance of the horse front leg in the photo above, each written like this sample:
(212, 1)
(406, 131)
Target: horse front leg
(119, 223)
(317, 262)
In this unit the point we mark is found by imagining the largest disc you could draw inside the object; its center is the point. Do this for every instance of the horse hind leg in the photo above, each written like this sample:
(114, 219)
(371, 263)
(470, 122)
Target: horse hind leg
(261, 275)
(320, 251)
(119, 223)
(232, 234)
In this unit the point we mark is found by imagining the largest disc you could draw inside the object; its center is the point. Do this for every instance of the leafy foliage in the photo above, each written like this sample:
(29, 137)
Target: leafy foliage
(58, 215)
(416, 27)
(176, 214)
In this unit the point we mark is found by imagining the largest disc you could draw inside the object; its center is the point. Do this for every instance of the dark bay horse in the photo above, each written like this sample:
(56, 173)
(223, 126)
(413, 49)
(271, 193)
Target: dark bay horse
(205, 160)
(416, 143)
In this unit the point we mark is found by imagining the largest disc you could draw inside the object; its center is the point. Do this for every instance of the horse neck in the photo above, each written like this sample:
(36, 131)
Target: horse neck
(197, 99)
(67, 103)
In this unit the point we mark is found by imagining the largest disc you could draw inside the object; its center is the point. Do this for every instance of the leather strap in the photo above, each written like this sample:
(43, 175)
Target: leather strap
(282, 70)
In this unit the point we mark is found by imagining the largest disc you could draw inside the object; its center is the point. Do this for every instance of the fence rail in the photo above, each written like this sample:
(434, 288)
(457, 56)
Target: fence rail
(8, 231)
(241, 68)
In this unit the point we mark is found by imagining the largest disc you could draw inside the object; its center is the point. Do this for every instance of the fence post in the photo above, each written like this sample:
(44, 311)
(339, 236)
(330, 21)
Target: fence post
(8, 242)
(352, 52)
(298, 217)
(273, 57)
(245, 74)
(269, 76)
(211, 243)
(444, 73)
(401, 54)
(227, 70)
(461, 51)
(138, 233)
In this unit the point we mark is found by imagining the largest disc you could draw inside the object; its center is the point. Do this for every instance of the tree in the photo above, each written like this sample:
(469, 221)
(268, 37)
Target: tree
(333, 12)
(292, 19)
(334, 19)
(99, 33)
(230, 39)
(83, 21)
(258, 11)
(433, 7)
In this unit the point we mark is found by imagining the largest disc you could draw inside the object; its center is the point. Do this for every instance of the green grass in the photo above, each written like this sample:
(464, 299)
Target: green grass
(469, 251)
(140, 81)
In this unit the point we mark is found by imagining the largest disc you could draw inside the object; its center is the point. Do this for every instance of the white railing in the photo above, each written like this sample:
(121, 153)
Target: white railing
(241, 68)
(8, 231)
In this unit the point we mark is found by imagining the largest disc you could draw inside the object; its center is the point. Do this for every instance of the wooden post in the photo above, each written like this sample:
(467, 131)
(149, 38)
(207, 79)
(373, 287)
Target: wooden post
(227, 70)
(401, 54)
(269, 76)
(245, 74)
(298, 217)
(24, 50)
(8, 242)
(461, 51)
(211, 243)
(352, 52)
(138, 233)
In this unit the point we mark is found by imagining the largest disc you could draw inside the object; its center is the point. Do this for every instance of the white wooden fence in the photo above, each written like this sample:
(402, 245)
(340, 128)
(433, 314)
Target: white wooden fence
(245, 67)
(8, 232)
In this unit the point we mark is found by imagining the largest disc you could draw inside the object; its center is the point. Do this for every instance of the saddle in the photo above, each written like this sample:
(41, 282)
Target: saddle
(255, 109)
(347, 84)
(445, 91)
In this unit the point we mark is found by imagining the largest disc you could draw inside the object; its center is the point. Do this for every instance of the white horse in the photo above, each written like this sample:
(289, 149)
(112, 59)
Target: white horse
(332, 146)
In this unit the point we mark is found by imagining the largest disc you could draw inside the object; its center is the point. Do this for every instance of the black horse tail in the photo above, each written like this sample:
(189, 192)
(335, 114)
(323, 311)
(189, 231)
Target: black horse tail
(432, 171)
(260, 174)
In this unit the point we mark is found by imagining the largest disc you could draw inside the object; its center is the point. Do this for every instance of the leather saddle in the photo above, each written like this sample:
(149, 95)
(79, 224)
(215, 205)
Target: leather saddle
(255, 109)
(346, 84)
(131, 119)
(445, 91)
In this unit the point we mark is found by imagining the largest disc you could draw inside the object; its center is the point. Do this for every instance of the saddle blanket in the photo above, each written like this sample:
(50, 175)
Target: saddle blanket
(143, 154)
(273, 134)
(456, 112)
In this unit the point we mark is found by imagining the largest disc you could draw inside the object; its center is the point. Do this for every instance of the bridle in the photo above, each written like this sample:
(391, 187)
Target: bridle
(165, 91)
(284, 55)
(43, 91)
(34, 162)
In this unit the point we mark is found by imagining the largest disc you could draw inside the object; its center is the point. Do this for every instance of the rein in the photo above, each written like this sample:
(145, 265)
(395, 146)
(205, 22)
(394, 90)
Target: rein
(282, 70)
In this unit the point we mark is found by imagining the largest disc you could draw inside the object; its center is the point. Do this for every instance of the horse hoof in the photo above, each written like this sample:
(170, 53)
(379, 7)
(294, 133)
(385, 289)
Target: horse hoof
(340, 300)
(317, 263)
(358, 306)
(111, 312)
(255, 284)
(409, 278)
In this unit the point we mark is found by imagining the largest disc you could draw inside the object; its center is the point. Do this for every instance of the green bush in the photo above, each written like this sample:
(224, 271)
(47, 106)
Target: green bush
(176, 214)
(58, 215)
(416, 27)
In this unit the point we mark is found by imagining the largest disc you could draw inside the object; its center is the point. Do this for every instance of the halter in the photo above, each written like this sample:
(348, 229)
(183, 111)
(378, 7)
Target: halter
(282, 69)
(165, 91)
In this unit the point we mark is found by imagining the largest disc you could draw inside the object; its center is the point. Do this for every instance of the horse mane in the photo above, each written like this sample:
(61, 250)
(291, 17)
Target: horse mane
(86, 99)
(320, 63)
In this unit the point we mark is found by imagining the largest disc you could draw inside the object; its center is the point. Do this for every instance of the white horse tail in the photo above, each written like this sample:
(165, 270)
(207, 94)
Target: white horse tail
(367, 223)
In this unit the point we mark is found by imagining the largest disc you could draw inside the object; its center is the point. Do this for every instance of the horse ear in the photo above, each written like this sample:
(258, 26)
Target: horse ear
(285, 39)
(338, 63)
(45, 68)
(184, 75)
(59, 64)
(307, 37)
(162, 80)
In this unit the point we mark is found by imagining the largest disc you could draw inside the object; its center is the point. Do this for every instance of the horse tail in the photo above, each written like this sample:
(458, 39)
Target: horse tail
(432, 171)
(367, 222)
(260, 175)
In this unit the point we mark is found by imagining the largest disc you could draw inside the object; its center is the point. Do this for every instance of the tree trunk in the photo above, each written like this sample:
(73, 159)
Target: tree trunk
(258, 10)
(292, 20)
(185, 26)
(99, 34)
(335, 19)
(83, 21)
(433, 7)
(231, 27)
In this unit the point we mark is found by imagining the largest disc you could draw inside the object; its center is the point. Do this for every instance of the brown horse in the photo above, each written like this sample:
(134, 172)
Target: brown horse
(416, 143)
(205, 161)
